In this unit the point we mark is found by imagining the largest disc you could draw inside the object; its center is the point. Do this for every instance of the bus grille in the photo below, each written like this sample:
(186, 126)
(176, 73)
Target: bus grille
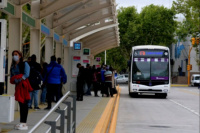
(149, 90)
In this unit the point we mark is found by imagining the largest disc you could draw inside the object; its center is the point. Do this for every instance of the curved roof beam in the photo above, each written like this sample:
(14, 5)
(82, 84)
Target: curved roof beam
(92, 19)
(102, 44)
(97, 34)
(91, 30)
(102, 49)
(102, 41)
(86, 9)
(48, 8)
(20, 2)
(99, 38)
(87, 26)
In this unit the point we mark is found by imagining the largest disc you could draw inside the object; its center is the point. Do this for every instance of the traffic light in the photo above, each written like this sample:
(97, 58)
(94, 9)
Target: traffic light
(193, 41)
(197, 41)
(189, 67)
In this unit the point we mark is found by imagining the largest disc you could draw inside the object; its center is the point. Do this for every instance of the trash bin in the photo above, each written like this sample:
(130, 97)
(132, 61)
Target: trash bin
(7, 108)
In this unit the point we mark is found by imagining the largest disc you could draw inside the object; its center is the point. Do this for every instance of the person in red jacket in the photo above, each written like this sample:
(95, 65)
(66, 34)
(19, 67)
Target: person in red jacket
(19, 72)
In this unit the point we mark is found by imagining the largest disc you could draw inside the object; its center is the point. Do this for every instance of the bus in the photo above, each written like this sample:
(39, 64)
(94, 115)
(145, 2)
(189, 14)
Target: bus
(149, 70)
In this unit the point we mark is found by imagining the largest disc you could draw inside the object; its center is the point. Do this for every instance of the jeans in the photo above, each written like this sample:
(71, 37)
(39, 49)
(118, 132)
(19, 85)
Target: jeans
(89, 88)
(34, 95)
(43, 95)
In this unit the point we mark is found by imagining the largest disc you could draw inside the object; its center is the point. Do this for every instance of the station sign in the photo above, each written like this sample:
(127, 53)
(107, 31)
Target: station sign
(98, 59)
(77, 46)
(45, 30)
(65, 42)
(10, 9)
(28, 19)
(56, 37)
(86, 51)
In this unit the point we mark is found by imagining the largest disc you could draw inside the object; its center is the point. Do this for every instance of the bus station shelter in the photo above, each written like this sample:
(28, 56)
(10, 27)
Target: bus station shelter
(55, 25)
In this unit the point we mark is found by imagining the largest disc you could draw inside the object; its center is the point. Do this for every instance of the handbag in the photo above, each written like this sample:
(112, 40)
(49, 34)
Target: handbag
(114, 90)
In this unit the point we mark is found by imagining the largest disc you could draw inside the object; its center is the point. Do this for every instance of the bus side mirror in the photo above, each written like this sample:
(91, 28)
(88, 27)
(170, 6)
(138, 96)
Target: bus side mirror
(172, 62)
(129, 63)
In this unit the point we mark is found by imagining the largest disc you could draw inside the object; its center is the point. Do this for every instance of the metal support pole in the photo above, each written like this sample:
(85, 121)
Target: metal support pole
(62, 120)
(74, 114)
(68, 117)
(52, 124)
(189, 64)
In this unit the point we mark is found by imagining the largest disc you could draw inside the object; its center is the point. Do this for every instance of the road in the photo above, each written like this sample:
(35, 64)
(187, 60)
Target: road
(179, 113)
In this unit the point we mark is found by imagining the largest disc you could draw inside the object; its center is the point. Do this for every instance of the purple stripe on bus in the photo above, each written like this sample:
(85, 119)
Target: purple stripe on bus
(159, 78)
(139, 59)
(166, 60)
(145, 59)
(159, 59)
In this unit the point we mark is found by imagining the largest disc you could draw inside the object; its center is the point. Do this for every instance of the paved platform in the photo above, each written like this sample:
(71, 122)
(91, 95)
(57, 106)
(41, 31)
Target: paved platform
(89, 112)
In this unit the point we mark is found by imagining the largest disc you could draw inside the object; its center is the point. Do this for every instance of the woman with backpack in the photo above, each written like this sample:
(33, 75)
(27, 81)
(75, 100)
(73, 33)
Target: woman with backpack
(19, 71)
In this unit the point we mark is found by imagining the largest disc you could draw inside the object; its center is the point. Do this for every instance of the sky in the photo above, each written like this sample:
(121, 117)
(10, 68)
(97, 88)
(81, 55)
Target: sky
(139, 4)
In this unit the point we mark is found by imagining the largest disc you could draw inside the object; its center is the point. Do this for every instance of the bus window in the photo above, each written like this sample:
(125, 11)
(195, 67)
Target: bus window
(159, 69)
(141, 70)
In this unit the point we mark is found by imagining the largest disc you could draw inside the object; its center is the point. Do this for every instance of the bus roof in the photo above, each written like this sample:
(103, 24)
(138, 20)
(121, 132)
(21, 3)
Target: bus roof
(150, 47)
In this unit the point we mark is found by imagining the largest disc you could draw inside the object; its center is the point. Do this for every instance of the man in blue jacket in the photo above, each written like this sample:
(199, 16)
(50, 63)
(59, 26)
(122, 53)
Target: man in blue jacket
(55, 75)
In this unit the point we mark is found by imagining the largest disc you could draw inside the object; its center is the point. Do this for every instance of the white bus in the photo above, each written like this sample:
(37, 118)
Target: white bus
(149, 70)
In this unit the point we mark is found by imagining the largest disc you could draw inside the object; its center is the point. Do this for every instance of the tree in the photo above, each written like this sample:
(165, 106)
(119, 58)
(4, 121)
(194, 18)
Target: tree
(158, 25)
(190, 9)
(190, 26)
(154, 25)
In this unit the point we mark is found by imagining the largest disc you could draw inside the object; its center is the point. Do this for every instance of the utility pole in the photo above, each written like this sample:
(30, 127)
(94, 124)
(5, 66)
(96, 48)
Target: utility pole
(105, 57)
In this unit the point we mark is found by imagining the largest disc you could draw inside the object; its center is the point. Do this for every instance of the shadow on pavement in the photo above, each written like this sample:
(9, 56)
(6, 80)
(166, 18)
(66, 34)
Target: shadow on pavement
(141, 96)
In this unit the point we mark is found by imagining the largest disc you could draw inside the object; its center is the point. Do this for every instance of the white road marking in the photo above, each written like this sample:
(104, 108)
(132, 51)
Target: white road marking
(193, 111)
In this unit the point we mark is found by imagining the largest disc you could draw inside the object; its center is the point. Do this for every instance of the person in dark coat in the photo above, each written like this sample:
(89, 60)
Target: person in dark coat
(35, 68)
(88, 78)
(80, 82)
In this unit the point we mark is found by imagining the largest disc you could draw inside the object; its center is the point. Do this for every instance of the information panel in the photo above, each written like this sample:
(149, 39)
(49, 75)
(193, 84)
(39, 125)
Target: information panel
(75, 60)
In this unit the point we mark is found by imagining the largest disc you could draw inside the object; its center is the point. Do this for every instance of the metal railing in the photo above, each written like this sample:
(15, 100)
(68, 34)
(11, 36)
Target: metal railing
(71, 127)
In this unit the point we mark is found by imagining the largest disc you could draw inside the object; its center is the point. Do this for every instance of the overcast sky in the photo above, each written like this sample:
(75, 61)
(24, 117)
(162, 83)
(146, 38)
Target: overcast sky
(142, 3)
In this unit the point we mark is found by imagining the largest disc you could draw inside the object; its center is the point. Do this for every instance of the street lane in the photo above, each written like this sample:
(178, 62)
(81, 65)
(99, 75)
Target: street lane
(179, 113)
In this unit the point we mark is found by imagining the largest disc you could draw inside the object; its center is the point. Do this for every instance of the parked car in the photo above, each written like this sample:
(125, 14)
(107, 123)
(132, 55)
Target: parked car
(122, 79)
(195, 79)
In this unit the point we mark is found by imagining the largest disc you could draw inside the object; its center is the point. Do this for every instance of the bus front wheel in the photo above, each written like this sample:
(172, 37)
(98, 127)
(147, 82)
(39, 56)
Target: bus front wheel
(133, 94)
(164, 95)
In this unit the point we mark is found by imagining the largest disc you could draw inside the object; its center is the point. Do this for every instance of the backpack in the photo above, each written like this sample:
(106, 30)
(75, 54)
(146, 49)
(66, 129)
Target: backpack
(35, 78)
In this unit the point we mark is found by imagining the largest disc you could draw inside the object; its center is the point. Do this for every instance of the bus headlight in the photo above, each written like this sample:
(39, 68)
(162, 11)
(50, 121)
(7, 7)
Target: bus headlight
(165, 90)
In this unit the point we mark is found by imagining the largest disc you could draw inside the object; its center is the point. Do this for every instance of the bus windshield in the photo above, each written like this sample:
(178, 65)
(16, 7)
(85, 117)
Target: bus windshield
(150, 69)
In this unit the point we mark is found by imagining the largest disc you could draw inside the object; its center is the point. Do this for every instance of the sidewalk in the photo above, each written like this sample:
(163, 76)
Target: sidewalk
(88, 114)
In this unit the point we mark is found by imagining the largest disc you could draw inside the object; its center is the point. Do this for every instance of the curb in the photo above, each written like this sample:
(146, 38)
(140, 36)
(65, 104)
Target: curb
(102, 125)
(178, 85)
(115, 114)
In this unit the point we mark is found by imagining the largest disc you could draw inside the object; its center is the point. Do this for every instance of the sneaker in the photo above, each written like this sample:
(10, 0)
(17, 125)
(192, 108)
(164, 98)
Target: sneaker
(16, 126)
(37, 108)
(22, 127)
(58, 108)
(30, 107)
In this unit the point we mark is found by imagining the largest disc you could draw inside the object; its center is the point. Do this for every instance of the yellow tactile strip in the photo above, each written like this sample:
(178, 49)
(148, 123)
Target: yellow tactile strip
(89, 122)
